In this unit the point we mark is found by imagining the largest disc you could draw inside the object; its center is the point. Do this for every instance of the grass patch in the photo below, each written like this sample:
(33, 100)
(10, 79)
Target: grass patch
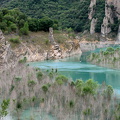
(15, 40)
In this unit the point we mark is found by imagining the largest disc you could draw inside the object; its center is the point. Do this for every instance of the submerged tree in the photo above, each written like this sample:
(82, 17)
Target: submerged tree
(4, 107)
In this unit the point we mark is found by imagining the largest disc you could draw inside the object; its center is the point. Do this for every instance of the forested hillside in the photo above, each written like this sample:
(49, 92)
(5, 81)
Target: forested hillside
(16, 21)
(80, 15)
(69, 13)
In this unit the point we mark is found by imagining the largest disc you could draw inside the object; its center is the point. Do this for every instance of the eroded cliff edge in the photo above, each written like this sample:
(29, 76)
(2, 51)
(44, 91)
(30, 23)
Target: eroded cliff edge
(10, 56)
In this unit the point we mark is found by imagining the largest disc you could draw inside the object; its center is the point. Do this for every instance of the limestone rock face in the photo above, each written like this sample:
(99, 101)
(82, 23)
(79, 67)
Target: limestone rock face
(91, 7)
(105, 29)
(51, 37)
(112, 9)
(2, 38)
(108, 19)
(116, 4)
(118, 36)
(92, 27)
(7, 57)
(2, 48)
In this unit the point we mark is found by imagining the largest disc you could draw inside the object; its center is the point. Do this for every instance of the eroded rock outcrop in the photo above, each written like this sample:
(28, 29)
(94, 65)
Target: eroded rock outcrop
(115, 5)
(118, 36)
(57, 53)
(7, 56)
(10, 57)
(91, 7)
(112, 10)
(51, 37)
(112, 15)
(105, 29)
(93, 24)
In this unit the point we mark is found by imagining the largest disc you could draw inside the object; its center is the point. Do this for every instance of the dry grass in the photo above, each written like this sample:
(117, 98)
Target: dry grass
(40, 39)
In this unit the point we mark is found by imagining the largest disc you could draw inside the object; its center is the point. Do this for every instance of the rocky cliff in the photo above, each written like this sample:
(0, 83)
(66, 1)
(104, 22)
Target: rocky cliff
(110, 18)
(9, 57)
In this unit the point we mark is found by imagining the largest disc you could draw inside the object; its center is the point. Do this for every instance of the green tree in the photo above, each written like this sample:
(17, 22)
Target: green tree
(45, 88)
(45, 24)
(4, 107)
(25, 29)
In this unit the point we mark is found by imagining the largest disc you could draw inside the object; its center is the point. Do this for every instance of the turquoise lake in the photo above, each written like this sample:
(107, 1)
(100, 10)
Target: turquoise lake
(76, 67)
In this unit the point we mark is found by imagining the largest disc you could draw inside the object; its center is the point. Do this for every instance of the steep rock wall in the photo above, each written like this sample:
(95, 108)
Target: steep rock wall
(10, 57)
(7, 56)
(112, 15)
(112, 10)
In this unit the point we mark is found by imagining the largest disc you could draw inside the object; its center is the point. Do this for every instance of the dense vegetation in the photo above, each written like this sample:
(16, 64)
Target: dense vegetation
(59, 14)
(56, 95)
(68, 14)
(99, 13)
(14, 20)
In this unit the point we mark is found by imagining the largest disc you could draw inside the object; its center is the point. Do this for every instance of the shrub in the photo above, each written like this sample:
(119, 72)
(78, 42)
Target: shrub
(42, 100)
(24, 60)
(15, 40)
(110, 49)
(31, 83)
(17, 79)
(69, 30)
(61, 77)
(108, 92)
(106, 53)
(37, 69)
(25, 29)
(4, 107)
(39, 75)
(45, 88)
(87, 111)
(79, 86)
(13, 27)
(19, 105)
(46, 42)
(59, 82)
(71, 104)
(90, 87)
(12, 87)
(51, 74)
(72, 83)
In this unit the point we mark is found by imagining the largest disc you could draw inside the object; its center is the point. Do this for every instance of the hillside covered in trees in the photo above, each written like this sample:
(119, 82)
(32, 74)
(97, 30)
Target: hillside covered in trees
(14, 20)
(67, 13)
